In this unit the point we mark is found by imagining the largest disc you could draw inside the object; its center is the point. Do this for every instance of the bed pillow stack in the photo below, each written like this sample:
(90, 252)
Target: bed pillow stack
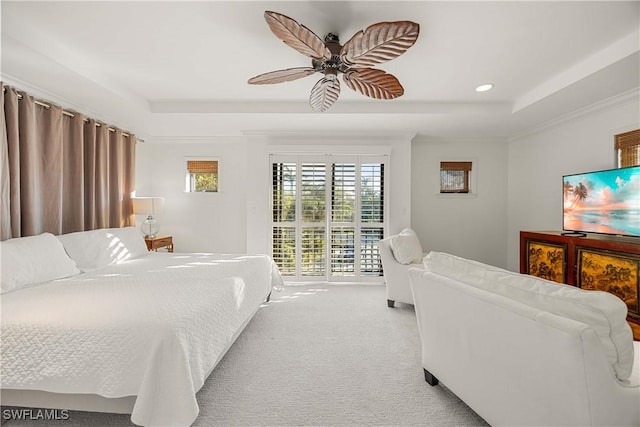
(602, 311)
(34, 259)
(99, 248)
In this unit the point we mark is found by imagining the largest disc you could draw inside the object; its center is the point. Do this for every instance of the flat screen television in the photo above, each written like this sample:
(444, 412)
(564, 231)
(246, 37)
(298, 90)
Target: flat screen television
(606, 201)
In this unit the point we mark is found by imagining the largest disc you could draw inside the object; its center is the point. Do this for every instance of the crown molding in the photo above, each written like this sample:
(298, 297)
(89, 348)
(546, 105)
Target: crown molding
(628, 97)
(199, 139)
(342, 107)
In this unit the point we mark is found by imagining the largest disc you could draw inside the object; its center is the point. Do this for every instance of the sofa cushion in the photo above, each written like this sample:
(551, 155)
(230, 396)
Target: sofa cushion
(99, 248)
(33, 259)
(406, 247)
(604, 312)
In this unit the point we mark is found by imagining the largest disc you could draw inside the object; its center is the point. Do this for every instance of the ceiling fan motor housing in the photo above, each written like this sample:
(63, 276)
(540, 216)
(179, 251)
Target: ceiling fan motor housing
(334, 65)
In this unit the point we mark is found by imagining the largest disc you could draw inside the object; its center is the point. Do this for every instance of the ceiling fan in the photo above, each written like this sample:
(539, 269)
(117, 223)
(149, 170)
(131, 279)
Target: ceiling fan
(378, 43)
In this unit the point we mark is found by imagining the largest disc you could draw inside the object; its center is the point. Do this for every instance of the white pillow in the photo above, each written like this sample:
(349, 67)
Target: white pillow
(604, 312)
(406, 247)
(33, 259)
(131, 241)
(99, 248)
(89, 249)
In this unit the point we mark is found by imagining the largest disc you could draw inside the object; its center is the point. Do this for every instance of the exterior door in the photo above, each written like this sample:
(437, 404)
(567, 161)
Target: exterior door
(328, 213)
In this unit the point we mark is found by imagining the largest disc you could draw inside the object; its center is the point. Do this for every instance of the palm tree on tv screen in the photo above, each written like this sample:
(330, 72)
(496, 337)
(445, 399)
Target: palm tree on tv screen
(567, 189)
(580, 193)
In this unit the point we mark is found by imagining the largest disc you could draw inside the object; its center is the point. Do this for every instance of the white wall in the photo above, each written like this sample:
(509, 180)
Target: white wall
(472, 226)
(198, 222)
(538, 161)
(518, 185)
(237, 218)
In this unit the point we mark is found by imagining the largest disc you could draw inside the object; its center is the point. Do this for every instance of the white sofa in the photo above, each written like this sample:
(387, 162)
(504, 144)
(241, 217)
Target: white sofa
(398, 253)
(496, 339)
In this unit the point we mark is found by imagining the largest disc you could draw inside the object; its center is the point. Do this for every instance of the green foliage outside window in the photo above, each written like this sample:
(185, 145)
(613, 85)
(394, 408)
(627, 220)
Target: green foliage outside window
(204, 182)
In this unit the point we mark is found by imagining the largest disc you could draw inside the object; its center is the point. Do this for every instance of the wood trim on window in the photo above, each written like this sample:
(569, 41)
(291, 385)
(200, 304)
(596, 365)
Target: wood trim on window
(627, 146)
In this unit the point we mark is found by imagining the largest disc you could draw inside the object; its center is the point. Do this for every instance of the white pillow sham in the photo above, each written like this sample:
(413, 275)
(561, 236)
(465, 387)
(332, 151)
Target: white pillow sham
(33, 259)
(131, 242)
(99, 248)
(406, 247)
(604, 312)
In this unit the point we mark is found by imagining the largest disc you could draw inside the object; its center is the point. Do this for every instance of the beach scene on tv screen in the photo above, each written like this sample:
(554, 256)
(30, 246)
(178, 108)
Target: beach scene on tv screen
(603, 202)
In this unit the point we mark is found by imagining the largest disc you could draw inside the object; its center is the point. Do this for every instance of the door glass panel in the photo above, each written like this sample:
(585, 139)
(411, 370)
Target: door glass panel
(342, 251)
(343, 193)
(284, 192)
(284, 249)
(370, 264)
(313, 192)
(372, 192)
(313, 250)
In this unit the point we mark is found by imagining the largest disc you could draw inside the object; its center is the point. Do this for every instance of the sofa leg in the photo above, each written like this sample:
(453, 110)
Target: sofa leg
(390, 303)
(428, 377)
(268, 297)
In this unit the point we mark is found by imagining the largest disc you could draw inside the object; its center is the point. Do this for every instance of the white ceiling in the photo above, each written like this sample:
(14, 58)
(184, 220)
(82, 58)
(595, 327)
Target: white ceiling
(171, 69)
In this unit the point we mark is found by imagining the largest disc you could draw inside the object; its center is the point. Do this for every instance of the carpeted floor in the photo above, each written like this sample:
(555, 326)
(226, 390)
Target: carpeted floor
(323, 355)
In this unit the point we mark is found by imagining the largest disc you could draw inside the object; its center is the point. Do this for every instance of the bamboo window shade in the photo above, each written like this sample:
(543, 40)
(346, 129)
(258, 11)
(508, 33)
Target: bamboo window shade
(628, 148)
(202, 166)
(455, 166)
(454, 177)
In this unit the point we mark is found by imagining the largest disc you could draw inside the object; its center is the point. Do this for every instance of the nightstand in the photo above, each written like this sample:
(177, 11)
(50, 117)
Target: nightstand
(159, 242)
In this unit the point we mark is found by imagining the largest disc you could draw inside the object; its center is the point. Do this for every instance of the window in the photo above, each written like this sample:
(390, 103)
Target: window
(202, 176)
(628, 148)
(328, 214)
(455, 177)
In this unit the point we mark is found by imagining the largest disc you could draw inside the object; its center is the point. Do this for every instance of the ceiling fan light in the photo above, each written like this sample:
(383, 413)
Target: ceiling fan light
(484, 87)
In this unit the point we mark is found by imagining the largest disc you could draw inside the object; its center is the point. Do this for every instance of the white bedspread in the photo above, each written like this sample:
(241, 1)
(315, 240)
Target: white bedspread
(153, 327)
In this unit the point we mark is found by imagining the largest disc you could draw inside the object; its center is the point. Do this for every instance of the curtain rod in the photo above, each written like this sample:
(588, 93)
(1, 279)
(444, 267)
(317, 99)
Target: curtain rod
(68, 113)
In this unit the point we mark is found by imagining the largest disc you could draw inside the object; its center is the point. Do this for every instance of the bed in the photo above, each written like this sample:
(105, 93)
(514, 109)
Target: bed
(121, 329)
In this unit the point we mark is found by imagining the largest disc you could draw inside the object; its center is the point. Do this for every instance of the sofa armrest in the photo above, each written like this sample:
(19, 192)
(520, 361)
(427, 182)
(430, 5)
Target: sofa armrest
(396, 275)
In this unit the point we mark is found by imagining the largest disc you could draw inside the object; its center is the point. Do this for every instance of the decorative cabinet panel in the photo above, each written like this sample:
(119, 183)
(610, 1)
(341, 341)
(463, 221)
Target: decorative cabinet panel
(547, 260)
(612, 272)
(596, 262)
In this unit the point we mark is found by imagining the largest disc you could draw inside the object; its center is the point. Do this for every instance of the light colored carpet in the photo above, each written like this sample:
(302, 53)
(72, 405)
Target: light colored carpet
(325, 355)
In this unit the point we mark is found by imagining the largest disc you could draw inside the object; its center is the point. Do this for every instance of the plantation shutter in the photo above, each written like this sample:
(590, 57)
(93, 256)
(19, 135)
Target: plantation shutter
(328, 214)
(628, 148)
(284, 195)
(202, 166)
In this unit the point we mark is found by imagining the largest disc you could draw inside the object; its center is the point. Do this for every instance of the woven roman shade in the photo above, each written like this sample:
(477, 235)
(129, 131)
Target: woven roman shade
(455, 166)
(202, 166)
(628, 148)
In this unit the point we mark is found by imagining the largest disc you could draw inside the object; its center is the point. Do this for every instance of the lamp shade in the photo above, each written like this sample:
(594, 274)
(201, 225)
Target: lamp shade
(147, 205)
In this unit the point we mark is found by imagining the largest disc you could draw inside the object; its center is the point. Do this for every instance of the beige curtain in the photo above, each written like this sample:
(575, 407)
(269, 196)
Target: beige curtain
(59, 173)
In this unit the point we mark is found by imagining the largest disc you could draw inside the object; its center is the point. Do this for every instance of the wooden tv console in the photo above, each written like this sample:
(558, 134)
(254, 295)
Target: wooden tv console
(595, 262)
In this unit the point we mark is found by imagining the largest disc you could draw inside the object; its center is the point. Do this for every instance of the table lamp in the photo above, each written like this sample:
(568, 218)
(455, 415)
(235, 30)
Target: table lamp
(149, 206)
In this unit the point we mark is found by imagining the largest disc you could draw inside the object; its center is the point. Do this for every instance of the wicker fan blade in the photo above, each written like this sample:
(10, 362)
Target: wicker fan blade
(281, 76)
(373, 83)
(379, 43)
(297, 36)
(324, 94)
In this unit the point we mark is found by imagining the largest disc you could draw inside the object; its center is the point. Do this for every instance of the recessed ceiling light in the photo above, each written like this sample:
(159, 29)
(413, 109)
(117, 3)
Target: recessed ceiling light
(484, 88)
